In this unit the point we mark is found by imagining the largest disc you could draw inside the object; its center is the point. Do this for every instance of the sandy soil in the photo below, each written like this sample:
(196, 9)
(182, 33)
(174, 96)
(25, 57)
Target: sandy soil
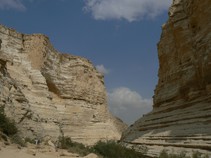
(13, 151)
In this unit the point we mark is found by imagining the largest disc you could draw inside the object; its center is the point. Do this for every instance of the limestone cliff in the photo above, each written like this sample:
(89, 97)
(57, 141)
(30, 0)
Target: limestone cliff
(50, 94)
(181, 117)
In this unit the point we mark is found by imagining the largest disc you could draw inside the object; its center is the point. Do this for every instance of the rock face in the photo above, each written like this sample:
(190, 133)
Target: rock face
(50, 94)
(181, 116)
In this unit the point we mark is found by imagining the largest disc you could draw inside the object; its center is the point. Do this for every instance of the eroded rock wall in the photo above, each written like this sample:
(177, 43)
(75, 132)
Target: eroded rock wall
(50, 94)
(181, 116)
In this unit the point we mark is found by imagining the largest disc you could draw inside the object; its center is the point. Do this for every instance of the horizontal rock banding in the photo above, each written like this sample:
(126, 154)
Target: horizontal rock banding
(50, 94)
(181, 116)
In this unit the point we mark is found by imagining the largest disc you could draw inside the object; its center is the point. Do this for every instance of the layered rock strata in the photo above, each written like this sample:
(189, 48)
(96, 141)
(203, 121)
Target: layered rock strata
(181, 116)
(50, 94)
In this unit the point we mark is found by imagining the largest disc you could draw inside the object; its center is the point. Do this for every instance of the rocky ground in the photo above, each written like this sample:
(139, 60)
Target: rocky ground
(34, 151)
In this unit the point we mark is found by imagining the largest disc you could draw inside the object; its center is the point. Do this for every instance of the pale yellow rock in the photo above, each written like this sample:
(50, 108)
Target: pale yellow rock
(65, 153)
(91, 156)
(31, 152)
(50, 94)
(181, 117)
(13, 152)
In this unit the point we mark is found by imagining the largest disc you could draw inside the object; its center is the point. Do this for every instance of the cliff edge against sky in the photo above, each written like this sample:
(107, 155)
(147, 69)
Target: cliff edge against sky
(181, 116)
(50, 94)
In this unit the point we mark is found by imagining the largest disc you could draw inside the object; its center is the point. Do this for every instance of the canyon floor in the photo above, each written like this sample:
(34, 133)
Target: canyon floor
(33, 151)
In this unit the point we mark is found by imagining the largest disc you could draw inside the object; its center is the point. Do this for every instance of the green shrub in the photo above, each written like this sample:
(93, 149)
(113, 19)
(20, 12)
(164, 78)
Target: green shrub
(164, 154)
(73, 147)
(199, 155)
(111, 149)
(7, 126)
(29, 140)
(65, 142)
(18, 140)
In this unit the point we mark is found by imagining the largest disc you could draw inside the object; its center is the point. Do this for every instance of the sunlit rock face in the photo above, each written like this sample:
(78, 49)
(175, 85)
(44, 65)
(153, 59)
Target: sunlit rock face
(181, 116)
(50, 94)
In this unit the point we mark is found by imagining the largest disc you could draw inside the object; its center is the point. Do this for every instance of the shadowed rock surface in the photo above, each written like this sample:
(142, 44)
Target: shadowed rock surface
(181, 116)
(50, 94)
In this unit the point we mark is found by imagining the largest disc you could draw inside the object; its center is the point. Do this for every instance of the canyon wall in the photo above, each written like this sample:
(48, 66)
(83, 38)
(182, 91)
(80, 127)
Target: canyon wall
(50, 94)
(181, 116)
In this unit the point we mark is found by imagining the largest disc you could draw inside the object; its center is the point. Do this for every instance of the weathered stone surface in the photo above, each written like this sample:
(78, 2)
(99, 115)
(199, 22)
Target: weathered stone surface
(50, 94)
(91, 156)
(181, 117)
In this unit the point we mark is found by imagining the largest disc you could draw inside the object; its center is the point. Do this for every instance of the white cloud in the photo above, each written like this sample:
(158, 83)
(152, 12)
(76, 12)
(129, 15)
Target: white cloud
(128, 105)
(131, 10)
(12, 4)
(102, 69)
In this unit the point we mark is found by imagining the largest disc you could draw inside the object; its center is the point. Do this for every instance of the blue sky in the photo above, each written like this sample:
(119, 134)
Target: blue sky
(119, 36)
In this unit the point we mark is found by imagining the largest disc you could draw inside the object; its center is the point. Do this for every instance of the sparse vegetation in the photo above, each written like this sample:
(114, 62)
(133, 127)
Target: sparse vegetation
(164, 154)
(9, 129)
(199, 155)
(18, 140)
(6, 125)
(74, 147)
(29, 140)
(183, 154)
(111, 149)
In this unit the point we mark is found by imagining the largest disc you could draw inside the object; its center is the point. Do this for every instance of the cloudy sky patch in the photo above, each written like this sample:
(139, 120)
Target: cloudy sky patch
(128, 104)
(102, 69)
(123, 38)
(130, 10)
(12, 4)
